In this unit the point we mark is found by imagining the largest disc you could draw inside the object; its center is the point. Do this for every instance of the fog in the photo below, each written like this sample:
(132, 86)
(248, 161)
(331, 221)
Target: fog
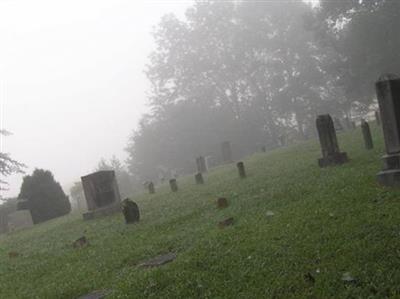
(72, 81)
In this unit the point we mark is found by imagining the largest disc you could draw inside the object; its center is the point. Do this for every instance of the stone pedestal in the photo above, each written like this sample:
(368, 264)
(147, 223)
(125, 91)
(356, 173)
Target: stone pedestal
(366, 135)
(101, 193)
(199, 179)
(388, 94)
(226, 152)
(331, 154)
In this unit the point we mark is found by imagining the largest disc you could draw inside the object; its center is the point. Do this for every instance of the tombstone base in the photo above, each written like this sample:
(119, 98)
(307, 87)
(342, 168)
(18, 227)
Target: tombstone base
(101, 212)
(390, 175)
(334, 159)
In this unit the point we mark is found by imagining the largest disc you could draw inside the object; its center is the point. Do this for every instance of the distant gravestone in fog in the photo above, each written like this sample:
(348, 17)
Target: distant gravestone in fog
(226, 152)
(151, 188)
(201, 164)
(19, 220)
(337, 124)
(101, 193)
(331, 154)
(241, 170)
(199, 179)
(388, 94)
(366, 135)
(173, 185)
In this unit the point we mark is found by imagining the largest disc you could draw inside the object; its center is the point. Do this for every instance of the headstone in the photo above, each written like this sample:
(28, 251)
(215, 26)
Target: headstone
(388, 94)
(131, 211)
(366, 134)
(378, 118)
(353, 125)
(263, 149)
(199, 179)
(282, 140)
(151, 188)
(174, 185)
(101, 193)
(242, 171)
(226, 222)
(222, 203)
(201, 164)
(331, 154)
(80, 242)
(337, 124)
(158, 261)
(226, 152)
(19, 220)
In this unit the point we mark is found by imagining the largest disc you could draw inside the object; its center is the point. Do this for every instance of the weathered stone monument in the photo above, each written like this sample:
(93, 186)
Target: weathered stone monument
(388, 94)
(378, 118)
(201, 164)
(131, 211)
(366, 134)
(226, 152)
(199, 179)
(173, 185)
(331, 154)
(242, 171)
(19, 220)
(101, 193)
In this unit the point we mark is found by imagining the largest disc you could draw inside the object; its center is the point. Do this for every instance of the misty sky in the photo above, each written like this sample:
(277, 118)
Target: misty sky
(72, 82)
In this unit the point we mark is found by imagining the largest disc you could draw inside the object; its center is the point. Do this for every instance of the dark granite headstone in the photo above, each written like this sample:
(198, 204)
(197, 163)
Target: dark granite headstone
(242, 171)
(388, 94)
(199, 179)
(222, 203)
(226, 152)
(367, 135)
(263, 148)
(174, 185)
(100, 189)
(131, 211)
(201, 164)
(331, 154)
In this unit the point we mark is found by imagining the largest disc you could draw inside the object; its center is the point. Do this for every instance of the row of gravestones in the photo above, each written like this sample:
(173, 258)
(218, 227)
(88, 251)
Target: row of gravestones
(101, 190)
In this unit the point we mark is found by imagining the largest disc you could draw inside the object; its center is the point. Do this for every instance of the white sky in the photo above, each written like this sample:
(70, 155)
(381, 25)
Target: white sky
(73, 86)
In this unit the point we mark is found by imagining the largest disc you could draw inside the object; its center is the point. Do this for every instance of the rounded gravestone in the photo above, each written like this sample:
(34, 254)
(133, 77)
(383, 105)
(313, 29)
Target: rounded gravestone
(131, 211)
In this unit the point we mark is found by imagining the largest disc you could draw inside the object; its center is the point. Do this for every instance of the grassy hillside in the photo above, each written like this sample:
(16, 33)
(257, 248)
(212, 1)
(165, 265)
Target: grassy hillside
(326, 222)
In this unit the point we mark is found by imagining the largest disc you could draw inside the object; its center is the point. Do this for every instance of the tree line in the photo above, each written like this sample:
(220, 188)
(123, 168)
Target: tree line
(254, 72)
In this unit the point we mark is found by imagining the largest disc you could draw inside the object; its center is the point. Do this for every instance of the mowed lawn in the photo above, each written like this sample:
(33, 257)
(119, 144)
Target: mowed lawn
(298, 231)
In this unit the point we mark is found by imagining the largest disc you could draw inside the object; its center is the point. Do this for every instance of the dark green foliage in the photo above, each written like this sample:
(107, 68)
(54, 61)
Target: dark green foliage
(45, 197)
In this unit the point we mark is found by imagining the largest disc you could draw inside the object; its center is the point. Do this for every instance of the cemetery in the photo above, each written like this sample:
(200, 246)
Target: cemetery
(269, 231)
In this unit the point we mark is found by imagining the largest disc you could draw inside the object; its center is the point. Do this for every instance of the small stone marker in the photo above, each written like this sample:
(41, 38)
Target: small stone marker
(388, 94)
(222, 203)
(353, 125)
(81, 242)
(331, 154)
(131, 211)
(100, 294)
(378, 118)
(367, 135)
(151, 188)
(19, 220)
(199, 179)
(226, 152)
(226, 222)
(201, 164)
(242, 171)
(174, 185)
(158, 261)
(13, 254)
(337, 124)
(263, 149)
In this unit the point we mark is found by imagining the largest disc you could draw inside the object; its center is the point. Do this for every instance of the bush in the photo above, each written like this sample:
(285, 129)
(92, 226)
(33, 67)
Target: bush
(45, 197)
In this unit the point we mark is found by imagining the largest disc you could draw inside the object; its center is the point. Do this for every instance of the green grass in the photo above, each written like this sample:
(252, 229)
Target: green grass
(327, 222)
